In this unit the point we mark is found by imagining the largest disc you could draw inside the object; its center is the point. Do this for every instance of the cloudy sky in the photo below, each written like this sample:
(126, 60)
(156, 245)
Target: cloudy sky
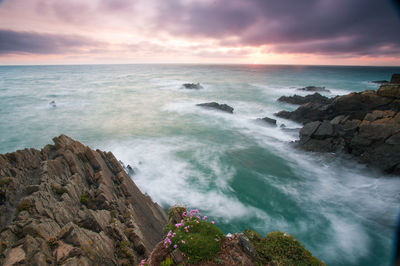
(344, 32)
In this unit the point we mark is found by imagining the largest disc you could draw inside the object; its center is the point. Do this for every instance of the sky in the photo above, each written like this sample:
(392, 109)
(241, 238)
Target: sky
(319, 32)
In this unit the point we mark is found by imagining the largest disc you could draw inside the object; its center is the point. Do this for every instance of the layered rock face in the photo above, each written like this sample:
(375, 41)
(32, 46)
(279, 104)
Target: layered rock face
(365, 124)
(68, 204)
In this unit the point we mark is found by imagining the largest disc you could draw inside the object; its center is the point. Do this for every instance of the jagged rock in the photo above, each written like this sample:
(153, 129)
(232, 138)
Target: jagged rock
(215, 105)
(268, 120)
(395, 79)
(313, 98)
(355, 105)
(68, 204)
(389, 90)
(313, 88)
(375, 140)
(192, 86)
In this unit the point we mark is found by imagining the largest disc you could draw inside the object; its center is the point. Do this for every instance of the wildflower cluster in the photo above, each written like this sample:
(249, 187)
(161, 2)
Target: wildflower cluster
(196, 237)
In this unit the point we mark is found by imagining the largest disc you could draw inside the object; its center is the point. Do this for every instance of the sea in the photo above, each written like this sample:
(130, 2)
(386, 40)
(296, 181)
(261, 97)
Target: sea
(238, 171)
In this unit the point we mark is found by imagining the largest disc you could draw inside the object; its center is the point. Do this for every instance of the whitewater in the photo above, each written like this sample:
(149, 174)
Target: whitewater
(242, 173)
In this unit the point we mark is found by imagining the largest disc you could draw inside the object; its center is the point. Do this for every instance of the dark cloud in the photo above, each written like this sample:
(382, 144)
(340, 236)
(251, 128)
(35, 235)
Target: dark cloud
(322, 26)
(13, 42)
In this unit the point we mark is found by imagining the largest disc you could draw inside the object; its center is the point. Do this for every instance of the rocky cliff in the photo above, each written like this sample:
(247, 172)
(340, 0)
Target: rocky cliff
(364, 124)
(68, 204)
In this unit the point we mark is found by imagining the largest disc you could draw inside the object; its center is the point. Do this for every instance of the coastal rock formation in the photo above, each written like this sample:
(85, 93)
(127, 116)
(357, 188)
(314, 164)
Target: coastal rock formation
(355, 105)
(313, 88)
(312, 98)
(364, 124)
(214, 105)
(68, 204)
(192, 86)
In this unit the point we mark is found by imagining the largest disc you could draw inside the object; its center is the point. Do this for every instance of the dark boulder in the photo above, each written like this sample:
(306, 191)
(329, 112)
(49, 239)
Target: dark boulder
(214, 105)
(313, 88)
(268, 120)
(192, 86)
(313, 98)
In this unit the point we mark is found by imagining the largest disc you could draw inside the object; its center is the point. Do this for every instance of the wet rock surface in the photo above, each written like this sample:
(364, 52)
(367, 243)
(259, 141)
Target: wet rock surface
(364, 124)
(268, 121)
(214, 105)
(68, 204)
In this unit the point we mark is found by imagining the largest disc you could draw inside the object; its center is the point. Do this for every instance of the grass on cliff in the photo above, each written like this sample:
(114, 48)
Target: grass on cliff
(197, 238)
(281, 249)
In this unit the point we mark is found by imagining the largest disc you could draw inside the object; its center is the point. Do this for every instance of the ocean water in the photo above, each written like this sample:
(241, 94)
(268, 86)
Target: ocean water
(242, 173)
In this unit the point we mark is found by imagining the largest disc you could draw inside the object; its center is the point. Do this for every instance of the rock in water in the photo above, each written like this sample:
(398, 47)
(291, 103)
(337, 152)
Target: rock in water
(313, 88)
(268, 120)
(69, 204)
(192, 86)
(380, 81)
(214, 105)
(313, 98)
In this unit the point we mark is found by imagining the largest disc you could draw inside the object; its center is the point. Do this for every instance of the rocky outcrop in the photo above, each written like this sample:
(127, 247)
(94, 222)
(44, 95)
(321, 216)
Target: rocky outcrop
(315, 98)
(192, 86)
(364, 124)
(313, 88)
(375, 140)
(214, 105)
(391, 89)
(355, 105)
(68, 204)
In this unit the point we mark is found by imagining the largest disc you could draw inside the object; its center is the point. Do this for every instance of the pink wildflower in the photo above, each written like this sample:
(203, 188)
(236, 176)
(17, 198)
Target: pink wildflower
(212, 222)
(183, 241)
(142, 262)
(175, 246)
(204, 218)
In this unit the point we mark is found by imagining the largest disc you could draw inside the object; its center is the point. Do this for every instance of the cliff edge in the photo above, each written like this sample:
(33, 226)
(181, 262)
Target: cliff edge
(68, 204)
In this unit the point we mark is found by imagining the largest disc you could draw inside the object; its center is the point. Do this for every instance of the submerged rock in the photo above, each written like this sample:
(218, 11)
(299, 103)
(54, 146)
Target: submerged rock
(69, 204)
(214, 105)
(192, 86)
(313, 88)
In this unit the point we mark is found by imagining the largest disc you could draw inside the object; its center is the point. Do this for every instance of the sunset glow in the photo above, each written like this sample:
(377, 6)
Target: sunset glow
(179, 31)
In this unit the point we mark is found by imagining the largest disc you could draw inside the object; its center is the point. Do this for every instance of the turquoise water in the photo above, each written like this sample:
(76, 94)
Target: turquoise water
(242, 173)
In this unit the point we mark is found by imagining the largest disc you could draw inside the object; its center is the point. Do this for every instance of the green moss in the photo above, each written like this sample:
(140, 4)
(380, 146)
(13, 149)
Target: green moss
(5, 181)
(200, 241)
(281, 249)
(58, 189)
(83, 199)
(124, 251)
(167, 262)
(24, 205)
(52, 242)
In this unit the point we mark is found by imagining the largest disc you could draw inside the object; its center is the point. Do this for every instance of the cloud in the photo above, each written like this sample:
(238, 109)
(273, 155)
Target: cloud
(13, 42)
(328, 26)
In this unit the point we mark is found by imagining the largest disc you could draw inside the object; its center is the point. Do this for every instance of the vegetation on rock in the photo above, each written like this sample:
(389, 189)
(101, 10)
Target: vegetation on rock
(196, 237)
(281, 249)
